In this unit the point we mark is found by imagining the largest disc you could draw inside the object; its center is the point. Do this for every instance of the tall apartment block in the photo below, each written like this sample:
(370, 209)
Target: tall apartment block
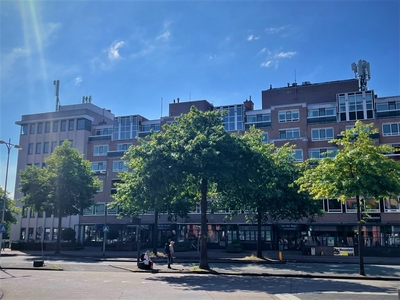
(307, 115)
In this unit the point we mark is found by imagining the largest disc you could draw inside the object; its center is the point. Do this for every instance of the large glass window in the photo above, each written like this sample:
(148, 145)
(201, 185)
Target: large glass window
(288, 115)
(32, 128)
(123, 147)
(100, 150)
(288, 134)
(392, 204)
(322, 134)
(334, 206)
(99, 209)
(391, 129)
(320, 153)
(298, 155)
(30, 148)
(40, 128)
(119, 166)
(53, 146)
(55, 126)
(99, 166)
(47, 127)
(84, 124)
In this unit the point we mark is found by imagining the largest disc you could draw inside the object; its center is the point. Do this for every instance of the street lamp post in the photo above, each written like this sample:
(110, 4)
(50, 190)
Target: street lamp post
(9, 146)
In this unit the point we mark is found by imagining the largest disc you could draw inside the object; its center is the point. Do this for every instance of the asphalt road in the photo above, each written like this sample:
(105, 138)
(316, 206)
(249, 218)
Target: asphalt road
(34, 284)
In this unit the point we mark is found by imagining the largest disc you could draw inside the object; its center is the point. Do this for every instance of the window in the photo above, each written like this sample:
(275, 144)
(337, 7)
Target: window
(265, 137)
(298, 155)
(46, 147)
(24, 129)
(53, 146)
(83, 124)
(99, 166)
(71, 125)
(47, 234)
(32, 129)
(123, 147)
(24, 212)
(119, 166)
(392, 205)
(321, 112)
(22, 235)
(322, 134)
(323, 152)
(30, 148)
(113, 185)
(289, 116)
(89, 211)
(63, 125)
(356, 106)
(55, 126)
(112, 211)
(334, 206)
(391, 129)
(54, 236)
(99, 209)
(40, 128)
(47, 127)
(38, 148)
(100, 150)
(104, 131)
(101, 186)
(30, 233)
(289, 134)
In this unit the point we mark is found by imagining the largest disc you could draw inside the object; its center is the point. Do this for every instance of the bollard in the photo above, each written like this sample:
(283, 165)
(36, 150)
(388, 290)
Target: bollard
(280, 255)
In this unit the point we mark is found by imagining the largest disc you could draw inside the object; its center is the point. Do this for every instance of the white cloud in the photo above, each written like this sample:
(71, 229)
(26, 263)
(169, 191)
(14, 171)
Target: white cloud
(275, 29)
(273, 59)
(113, 53)
(164, 36)
(78, 80)
(252, 38)
(285, 54)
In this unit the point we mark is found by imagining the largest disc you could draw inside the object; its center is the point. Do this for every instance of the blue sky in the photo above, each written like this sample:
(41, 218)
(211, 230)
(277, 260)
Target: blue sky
(128, 55)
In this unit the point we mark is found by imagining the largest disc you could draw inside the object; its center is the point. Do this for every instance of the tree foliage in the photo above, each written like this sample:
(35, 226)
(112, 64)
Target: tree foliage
(65, 187)
(265, 187)
(11, 212)
(178, 167)
(68, 234)
(360, 169)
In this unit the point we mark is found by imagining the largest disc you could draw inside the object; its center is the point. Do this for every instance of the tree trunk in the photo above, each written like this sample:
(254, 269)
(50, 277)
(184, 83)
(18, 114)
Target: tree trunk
(203, 235)
(58, 244)
(155, 231)
(259, 241)
(360, 237)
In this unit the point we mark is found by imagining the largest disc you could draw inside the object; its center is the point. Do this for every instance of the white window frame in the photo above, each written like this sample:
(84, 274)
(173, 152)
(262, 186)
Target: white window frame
(285, 118)
(318, 130)
(292, 130)
(390, 126)
(100, 150)
(117, 166)
(120, 147)
(103, 163)
(334, 210)
(319, 149)
(392, 210)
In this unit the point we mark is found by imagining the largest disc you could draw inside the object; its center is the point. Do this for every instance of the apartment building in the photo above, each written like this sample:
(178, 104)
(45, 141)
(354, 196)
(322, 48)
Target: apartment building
(307, 115)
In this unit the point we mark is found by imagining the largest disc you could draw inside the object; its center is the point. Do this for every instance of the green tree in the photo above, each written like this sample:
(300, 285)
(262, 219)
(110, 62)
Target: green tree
(10, 215)
(68, 234)
(178, 166)
(359, 169)
(65, 187)
(266, 185)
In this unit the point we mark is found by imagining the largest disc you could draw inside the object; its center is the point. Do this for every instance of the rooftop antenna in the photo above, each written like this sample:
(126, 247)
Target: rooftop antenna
(294, 75)
(57, 90)
(363, 72)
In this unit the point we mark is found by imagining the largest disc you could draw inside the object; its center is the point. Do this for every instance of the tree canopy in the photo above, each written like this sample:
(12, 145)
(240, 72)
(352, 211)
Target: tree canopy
(360, 169)
(65, 187)
(179, 166)
(265, 187)
(11, 212)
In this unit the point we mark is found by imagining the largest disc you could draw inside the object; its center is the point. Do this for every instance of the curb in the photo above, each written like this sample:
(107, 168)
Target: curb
(214, 272)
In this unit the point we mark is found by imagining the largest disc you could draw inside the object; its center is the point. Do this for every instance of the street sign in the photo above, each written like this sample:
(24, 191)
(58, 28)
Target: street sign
(3, 228)
(106, 228)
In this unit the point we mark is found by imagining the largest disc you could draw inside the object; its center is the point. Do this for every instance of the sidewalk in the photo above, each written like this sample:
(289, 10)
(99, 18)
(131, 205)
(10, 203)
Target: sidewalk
(187, 262)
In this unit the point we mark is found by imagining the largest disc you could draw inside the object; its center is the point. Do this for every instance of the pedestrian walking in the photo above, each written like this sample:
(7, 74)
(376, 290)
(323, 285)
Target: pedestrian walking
(170, 253)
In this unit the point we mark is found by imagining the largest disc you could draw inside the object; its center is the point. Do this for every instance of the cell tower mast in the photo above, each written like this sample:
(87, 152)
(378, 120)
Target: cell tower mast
(57, 90)
(363, 72)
